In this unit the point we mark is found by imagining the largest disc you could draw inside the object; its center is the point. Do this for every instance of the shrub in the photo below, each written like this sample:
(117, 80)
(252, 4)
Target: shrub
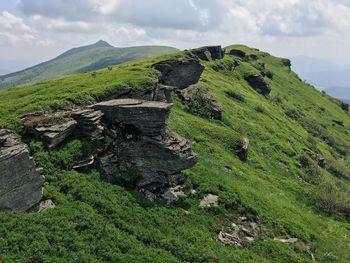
(260, 109)
(311, 169)
(269, 74)
(200, 105)
(344, 106)
(292, 113)
(332, 198)
(235, 95)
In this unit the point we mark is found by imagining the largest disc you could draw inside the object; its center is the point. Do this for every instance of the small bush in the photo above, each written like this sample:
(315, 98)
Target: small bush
(310, 168)
(200, 105)
(332, 198)
(235, 95)
(344, 106)
(293, 113)
(260, 109)
(269, 74)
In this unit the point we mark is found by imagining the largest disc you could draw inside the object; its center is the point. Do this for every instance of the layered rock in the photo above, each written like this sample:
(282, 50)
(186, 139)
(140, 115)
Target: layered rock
(209, 53)
(179, 73)
(140, 150)
(21, 183)
(89, 124)
(52, 129)
(258, 83)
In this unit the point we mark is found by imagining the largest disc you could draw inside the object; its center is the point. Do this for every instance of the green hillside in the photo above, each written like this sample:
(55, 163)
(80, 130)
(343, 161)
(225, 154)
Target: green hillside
(82, 59)
(281, 187)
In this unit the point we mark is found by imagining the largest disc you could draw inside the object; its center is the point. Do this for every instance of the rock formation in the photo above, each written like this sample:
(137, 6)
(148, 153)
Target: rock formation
(209, 53)
(179, 73)
(238, 53)
(21, 183)
(140, 150)
(258, 83)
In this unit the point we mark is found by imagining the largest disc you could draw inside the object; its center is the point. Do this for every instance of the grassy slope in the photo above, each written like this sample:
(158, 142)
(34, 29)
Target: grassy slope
(98, 222)
(90, 59)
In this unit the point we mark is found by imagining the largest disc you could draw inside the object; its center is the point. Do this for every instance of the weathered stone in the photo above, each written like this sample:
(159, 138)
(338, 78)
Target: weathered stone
(87, 162)
(145, 116)
(258, 83)
(52, 129)
(209, 53)
(209, 200)
(89, 125)
(142, 152)
(287, 63)
(21, 183)
(179, 73)
(238, 53)
(190, 93)
(43, 206)
(243, 152)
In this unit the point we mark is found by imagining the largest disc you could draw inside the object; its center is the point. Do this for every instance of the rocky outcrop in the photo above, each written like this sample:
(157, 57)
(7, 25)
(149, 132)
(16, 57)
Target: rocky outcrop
(179, 73)
(209, 53)
(21, 183)
(52, 129)
(242, 153)
(194, 96)
(238, 53)
(89, 125)
(209, 200)
(258, 83)
(141, 151)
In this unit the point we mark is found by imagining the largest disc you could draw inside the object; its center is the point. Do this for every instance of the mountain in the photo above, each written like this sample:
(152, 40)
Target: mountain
(81, 59)
(271, 180)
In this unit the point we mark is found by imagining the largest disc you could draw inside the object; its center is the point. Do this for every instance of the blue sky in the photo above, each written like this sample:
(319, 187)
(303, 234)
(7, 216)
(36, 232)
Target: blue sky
(32, 31)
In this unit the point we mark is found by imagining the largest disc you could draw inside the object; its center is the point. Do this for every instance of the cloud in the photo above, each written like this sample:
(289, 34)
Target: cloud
(295, 18)
(180, 14)
(13, 30)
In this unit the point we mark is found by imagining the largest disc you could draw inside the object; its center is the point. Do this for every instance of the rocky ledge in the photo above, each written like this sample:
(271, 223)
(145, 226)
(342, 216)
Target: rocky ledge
(21, 183)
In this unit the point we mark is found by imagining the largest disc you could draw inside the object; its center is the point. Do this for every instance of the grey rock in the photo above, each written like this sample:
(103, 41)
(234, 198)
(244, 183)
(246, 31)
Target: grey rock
(179, 73)
(258, 83)
(52, 129)
(21, 183)
(286, 241)
(209, 200)
(243, 152)
(43, 206)
(142, 151)
(188, 94)
(145, 116)
(209, 53)
(89, 125)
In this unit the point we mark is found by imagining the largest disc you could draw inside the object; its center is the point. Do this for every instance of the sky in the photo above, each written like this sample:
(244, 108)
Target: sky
(32, 31)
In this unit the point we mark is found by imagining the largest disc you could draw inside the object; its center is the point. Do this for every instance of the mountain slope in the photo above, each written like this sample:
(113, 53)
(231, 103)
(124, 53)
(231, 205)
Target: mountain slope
(281, 188)
(77, 60)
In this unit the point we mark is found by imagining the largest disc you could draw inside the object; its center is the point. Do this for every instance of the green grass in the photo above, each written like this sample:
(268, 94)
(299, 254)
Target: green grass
(95, 221)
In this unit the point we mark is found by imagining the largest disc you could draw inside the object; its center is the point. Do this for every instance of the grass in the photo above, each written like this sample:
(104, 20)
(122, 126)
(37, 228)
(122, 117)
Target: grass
(95, 221)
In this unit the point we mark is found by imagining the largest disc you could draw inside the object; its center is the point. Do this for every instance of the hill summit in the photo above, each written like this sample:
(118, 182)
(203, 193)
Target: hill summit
(205, 155)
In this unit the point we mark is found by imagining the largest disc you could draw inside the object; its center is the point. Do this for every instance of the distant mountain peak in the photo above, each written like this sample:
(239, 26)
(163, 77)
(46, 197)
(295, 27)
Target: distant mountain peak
(102, 43)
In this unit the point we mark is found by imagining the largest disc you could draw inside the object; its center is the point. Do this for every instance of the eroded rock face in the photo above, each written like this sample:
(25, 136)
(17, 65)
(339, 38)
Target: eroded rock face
(209, 53)
(238, 53)
(141, 151)
(21, 183)
(258, 83)
(179, 73)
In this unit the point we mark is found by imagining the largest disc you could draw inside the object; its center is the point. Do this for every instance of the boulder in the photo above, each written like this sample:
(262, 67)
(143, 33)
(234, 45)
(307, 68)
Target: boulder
(179, 73)
(258, 83)
(43, 206)
(52, 129)
(209, 53)
(243, 152)
(21, 182)
(209, 200)
(192, 93)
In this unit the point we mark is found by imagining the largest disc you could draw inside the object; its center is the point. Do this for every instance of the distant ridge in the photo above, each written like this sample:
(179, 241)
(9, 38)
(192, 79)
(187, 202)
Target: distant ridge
(80, 59)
